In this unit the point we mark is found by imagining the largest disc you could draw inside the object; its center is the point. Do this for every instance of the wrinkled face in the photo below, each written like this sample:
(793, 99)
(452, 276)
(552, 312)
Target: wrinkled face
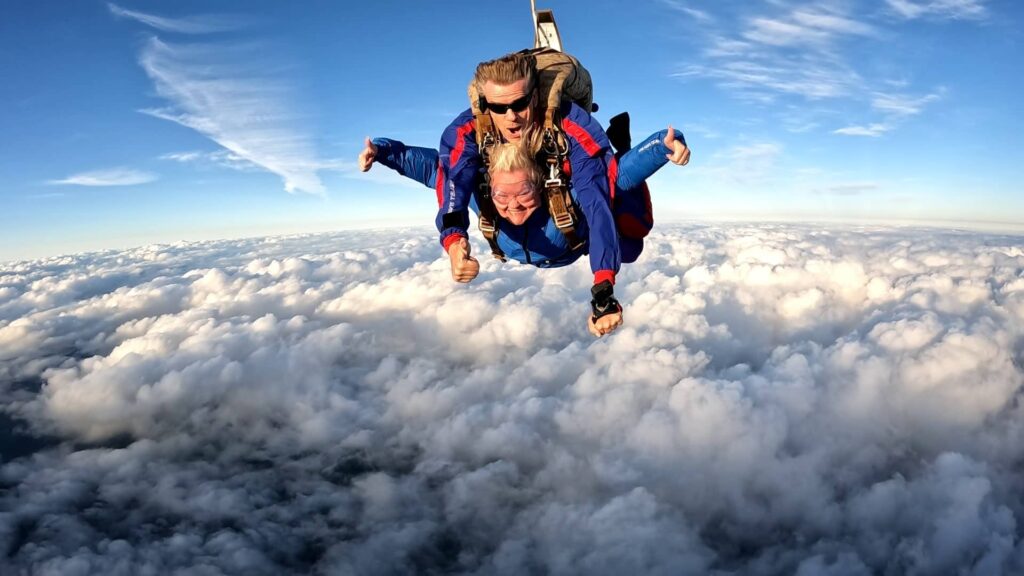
(518, 100)
(515, 195)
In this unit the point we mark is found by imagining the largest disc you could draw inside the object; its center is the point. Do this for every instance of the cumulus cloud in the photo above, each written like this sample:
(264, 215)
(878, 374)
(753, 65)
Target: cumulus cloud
(782, 399)
(107, 177)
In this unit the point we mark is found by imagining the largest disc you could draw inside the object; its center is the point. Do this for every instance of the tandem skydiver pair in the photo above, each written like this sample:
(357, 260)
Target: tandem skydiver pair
(540, 173)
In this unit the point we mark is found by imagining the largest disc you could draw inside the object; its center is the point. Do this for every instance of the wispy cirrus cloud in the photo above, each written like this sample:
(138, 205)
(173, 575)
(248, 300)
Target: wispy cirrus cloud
(755, 157)
(190, 25)
(895, 107)
(229, 93)
(796, 53)
(903, 105)
(943, 9)
(107, 177)
(847, 189)
(872, 130)
(750, 163)
(766, 57)
(811, 76)
(224, 158)
(803, 27)
(185, 157)
(225, 94)
(680, 6)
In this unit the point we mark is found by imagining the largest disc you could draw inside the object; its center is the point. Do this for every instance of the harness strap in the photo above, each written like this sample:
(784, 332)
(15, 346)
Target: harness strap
(488, 217)
(560, 205)
(554, 151)
(561, 209)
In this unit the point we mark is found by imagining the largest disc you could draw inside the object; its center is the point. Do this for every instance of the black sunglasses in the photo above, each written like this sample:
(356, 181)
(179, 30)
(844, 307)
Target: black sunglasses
(517, 105)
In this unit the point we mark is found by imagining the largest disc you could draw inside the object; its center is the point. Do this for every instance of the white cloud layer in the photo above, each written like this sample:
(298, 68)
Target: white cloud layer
(782, 400)
(107, 177)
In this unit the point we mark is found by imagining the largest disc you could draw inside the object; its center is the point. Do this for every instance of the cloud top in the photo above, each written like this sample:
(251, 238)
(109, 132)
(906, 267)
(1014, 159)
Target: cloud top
(782, 399)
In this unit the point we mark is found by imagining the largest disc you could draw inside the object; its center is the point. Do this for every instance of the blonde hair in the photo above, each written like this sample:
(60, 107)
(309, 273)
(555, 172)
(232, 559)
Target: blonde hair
(513, 156)
(506, 70)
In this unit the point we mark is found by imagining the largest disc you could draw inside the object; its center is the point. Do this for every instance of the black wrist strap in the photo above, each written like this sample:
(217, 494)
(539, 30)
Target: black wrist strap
(604, 303)
(610, 307)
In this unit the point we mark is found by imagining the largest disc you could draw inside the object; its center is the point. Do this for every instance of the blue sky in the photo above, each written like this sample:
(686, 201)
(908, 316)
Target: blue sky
(138, 122)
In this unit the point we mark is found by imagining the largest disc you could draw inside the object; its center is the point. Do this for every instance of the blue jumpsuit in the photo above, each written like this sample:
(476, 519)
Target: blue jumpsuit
(537, 241)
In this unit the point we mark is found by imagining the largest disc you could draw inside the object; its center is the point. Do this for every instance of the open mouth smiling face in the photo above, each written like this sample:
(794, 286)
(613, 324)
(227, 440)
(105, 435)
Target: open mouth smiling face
(510, 107)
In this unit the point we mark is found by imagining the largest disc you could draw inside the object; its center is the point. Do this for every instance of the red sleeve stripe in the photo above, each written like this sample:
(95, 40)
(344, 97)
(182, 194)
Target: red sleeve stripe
(451, 239)
(439, 183)
(613, 175)
(460, 142)
(602, 275)
(582, 136)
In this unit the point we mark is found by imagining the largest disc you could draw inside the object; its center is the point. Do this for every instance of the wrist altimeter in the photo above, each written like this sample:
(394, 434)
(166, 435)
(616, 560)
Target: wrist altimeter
(604, 302)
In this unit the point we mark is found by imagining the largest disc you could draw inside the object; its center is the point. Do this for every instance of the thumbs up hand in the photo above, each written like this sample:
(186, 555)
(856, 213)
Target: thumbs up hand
(367, 156)
(679, 154)
(464, 267)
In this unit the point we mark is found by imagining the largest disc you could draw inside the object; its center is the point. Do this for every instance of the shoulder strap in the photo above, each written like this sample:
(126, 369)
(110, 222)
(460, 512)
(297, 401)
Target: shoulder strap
(552, 155)
(553, 152)
(488, 217)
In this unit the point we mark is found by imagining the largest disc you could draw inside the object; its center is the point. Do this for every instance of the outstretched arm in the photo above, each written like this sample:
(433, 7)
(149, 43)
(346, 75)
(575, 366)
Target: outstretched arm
(643, 160)
(459, 167)
(591, 159)
(414, 162)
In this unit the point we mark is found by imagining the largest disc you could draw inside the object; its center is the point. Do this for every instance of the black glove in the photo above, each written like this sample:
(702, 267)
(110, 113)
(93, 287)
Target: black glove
(604, 303)
(618, 134)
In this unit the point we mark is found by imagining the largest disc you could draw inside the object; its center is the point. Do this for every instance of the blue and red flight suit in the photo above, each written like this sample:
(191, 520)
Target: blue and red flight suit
(538, 241)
